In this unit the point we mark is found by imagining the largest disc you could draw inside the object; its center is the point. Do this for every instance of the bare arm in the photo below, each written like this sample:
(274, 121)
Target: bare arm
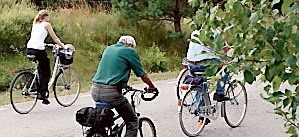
(147, 80)
(53, 35)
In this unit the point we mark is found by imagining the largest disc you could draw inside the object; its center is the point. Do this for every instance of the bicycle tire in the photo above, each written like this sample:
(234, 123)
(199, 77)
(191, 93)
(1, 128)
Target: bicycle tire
(180, 79)
(190, 115)
(19, 92)
(146, 128)
(66, 87)
(232, 113)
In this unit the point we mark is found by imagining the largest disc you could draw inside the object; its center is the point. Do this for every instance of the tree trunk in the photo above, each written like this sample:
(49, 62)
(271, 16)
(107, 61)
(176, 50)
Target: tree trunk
(177, 17)
(177, 24)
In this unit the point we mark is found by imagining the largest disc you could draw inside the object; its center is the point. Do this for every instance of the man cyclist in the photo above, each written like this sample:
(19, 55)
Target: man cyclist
(113, 74)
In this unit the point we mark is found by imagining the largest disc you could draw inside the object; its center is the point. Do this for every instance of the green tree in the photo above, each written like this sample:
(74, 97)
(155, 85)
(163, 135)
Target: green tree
(266, 44)
(158, 11)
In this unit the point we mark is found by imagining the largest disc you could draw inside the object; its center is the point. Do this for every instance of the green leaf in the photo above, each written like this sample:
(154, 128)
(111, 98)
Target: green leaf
(292, 79)
(292, 130)
(286, 102)
(279, 111)
(254, 17)
(291, 61)
(277, 94)
(274, 100)
(233, 68)
(296, 41)
(276, 83)
(279, 45)
(288, 93)
(270, 33)
(286, 4)
(297, 92)
(269, 76)
(211, 70)
(249, 78)
(267, 88)
(286, 31)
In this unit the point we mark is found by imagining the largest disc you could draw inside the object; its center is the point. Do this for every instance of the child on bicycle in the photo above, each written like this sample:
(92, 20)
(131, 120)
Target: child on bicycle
(36, 46)
(198, 53)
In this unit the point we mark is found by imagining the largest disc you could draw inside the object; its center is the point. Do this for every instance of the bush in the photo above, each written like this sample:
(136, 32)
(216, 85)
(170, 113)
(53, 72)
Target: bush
(155, 60)
(15, 26)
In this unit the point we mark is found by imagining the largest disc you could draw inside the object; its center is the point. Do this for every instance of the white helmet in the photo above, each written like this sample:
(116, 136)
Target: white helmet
(128, 39)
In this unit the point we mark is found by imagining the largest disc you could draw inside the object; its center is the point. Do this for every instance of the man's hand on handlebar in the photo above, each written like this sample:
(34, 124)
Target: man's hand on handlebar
(150, 90)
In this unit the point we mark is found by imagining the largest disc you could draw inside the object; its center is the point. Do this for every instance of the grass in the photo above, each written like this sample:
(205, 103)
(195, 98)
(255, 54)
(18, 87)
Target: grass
(85, 86)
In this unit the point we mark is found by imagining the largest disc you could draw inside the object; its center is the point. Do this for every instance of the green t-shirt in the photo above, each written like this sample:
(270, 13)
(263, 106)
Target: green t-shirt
(116, 64)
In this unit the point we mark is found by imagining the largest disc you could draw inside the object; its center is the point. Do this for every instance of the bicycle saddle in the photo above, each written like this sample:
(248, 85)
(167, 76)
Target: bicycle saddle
(31, 57)
(103, 104)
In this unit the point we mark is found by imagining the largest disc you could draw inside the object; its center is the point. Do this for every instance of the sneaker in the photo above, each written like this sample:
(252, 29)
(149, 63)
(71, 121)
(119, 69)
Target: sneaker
(220, 97)
(43, 97)
(46, 101)
(200, 121)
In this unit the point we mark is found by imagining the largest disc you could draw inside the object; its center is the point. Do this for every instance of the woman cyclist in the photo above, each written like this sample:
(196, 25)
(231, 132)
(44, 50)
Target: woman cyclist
(36, 46)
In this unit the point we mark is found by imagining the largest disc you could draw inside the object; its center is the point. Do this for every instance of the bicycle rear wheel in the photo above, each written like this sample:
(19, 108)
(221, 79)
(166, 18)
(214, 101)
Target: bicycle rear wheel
(184, 72)
(23, 93)
(192, 112)
(235, 109)
(66, 87)
(146, 128)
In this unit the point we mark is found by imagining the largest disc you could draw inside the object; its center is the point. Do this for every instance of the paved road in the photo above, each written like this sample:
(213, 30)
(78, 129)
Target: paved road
(56, 121)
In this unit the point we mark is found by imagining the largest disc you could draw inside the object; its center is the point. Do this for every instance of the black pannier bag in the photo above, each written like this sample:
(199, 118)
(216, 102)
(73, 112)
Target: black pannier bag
(95, 117)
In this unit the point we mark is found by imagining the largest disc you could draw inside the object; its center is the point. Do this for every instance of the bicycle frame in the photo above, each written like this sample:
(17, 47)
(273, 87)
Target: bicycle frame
(57, 67)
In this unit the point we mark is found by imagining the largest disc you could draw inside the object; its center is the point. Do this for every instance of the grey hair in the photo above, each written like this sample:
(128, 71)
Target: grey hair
(128, 39)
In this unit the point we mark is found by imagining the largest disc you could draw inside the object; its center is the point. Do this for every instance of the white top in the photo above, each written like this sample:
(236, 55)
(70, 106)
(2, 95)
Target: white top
(198, 52)
(38, 36)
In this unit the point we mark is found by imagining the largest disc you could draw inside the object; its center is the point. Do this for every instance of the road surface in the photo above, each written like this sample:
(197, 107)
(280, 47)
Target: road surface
(56, 121)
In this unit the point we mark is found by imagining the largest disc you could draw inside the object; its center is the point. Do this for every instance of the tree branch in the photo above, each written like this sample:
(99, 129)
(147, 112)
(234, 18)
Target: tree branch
(272, 45)
(292, 123)
(154, 19)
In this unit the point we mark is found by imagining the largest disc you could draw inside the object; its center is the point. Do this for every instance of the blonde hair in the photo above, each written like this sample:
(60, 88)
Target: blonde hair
(40, 16)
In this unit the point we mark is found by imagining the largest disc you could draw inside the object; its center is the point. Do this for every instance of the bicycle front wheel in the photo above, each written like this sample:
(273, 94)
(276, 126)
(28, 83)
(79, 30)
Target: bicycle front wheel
(193, 112)
(146, 128)
(235, 109)
(66, 87)
(23, 93)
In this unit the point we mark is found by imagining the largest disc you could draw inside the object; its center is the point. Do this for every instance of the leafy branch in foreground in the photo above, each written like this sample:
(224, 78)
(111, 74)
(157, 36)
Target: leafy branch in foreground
(266, 36)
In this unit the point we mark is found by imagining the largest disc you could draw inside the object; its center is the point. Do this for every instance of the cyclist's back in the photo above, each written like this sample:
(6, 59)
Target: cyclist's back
(113, 74)
(197, 51)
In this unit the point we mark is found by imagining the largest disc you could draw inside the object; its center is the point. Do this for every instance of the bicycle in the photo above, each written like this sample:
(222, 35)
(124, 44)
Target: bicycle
(197, 109)
(64, 81)
(146, 126)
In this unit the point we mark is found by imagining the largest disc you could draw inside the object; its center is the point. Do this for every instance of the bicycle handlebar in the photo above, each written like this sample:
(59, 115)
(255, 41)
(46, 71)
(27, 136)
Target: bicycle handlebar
(155, 93)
